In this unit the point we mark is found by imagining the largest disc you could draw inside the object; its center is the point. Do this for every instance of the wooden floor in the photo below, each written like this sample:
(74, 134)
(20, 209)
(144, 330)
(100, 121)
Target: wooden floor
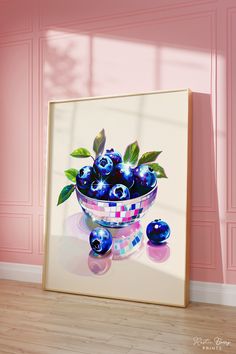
(39, 322)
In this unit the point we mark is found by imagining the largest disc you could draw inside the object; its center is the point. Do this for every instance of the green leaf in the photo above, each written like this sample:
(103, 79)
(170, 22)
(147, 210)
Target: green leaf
(80, 152)
(160, 172)
(99, 143)
(71, 174)
(66, 193)
(132, 153)
(149, 157)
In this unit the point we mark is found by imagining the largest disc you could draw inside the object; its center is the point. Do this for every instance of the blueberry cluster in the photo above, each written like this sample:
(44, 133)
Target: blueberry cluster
(111, 179)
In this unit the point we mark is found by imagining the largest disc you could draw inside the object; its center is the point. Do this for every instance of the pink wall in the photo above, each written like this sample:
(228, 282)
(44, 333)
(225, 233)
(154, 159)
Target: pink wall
(71, 48)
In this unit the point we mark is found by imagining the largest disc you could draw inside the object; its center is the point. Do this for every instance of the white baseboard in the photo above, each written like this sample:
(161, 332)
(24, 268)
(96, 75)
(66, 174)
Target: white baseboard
(212, 293)
(21, 272)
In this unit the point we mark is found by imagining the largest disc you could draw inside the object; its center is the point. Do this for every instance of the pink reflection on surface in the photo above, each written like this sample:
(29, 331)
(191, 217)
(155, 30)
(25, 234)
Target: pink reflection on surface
(158, 253)
(126, 231)
(127, 241)
(77, 225)
(99, 265)
(78, 258)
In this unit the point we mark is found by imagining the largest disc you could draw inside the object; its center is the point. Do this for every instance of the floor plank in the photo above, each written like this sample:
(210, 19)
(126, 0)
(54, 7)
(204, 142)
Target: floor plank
(33, 321)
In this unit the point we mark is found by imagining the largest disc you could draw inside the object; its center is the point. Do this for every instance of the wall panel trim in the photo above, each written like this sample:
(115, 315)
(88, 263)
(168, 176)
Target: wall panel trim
(29, 200)
(29, 219)
(229, 43)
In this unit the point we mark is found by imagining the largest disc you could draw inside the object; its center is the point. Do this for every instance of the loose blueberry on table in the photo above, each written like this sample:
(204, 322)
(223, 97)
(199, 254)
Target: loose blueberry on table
(158, 231)
(100, 240)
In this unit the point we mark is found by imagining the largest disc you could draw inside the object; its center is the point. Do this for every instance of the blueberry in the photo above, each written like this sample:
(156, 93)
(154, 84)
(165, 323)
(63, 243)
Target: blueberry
(145, 178)
(158, 231)
(119, 192)
(103, 165)
(123, 174)
(134, 193)
(99, 190)
(85, 177)
(115, 156)
(100, 240)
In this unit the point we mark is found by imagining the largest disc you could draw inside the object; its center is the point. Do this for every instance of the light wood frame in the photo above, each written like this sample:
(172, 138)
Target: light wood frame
(188, 201)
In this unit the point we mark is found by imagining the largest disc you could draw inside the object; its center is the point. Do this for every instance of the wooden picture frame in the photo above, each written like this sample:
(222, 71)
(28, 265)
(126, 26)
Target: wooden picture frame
(132, 270)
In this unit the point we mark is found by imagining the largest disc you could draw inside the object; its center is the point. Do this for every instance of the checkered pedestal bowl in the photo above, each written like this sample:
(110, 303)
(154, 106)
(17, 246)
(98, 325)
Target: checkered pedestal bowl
(119, 213)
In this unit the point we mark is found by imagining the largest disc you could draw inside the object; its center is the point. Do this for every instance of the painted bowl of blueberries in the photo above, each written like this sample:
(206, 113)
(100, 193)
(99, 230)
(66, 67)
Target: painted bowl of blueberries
(113, 193)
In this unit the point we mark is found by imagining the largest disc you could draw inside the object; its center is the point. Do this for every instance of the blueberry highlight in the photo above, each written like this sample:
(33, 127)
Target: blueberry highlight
(99, 189)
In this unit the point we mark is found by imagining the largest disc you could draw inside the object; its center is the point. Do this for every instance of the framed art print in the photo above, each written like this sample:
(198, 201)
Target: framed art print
(118, 197)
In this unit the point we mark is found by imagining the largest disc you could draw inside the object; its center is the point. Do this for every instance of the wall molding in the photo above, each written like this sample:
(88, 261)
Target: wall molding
(212, 226)
(231, 264)
(212, 293)
(124, 15)
(28, 43)
(229, 47)
(29, 219)
(26, 29)
(41, 234)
